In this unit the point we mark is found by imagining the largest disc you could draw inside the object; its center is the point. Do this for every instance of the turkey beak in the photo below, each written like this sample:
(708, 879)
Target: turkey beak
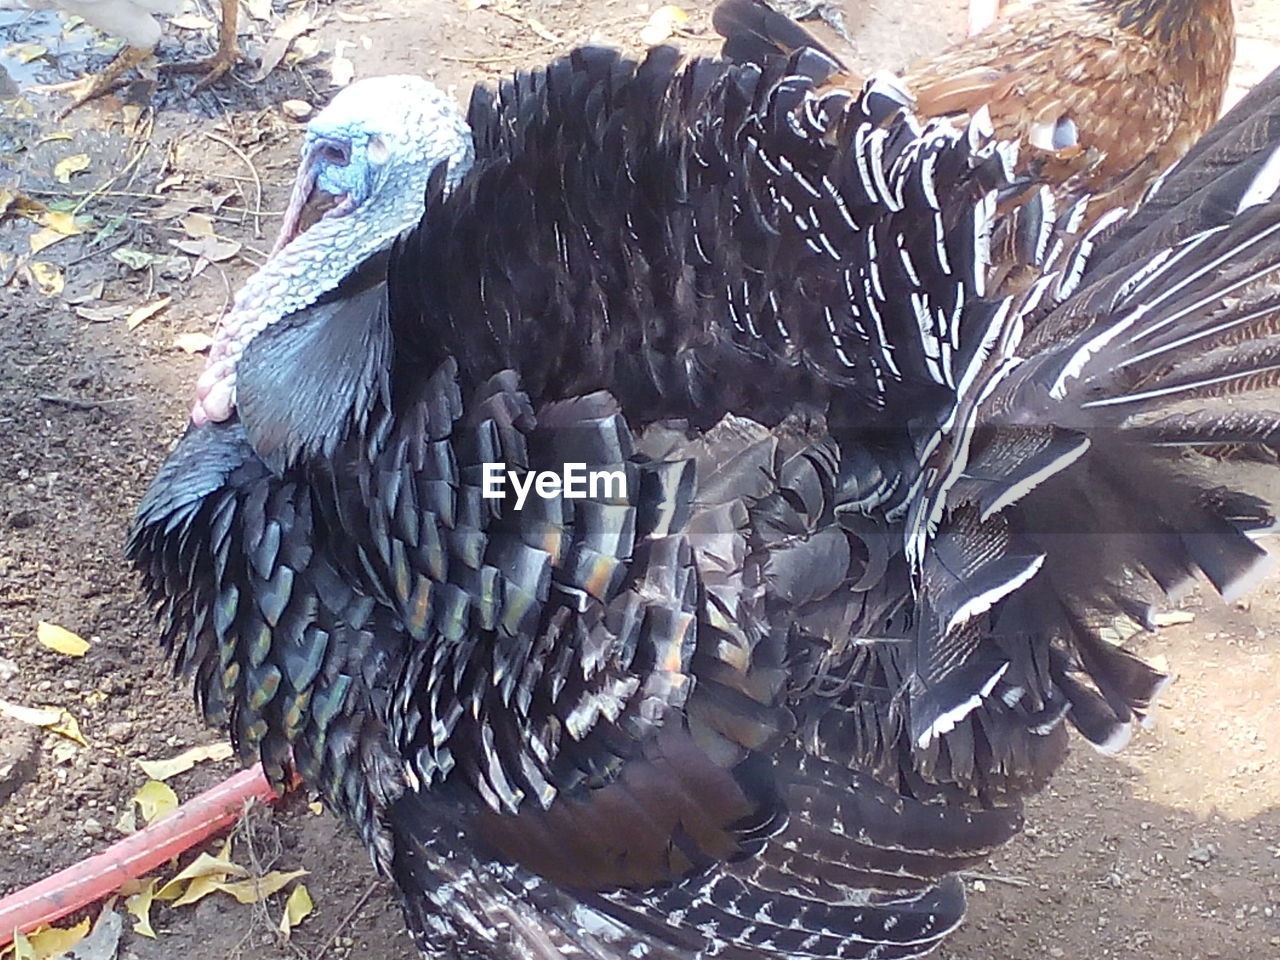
(306, 204)
(303, 187)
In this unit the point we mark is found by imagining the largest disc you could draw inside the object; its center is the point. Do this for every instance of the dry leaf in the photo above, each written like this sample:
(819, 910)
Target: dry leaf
(68, 167)
(205, 866)
(44, 238)
(140, 906)
(296, 909)
(21, 205)
(199, 888)
(191, 21)
(128, 821)
(214, 249)
(341, 70)
(68, 727)
(155, 800)
(63, 752)
(61, 220)
(51, 942)
(286, 31)
(304, 49)
(35, 716)
(47, 278)
(54, 719)
(26, 52)
(258, 9)
(662, 25)
(259, 888)
(197, 225)
(103, 314)
(171, 181)
(136, 259)
(316, 807)
(147, 311)
(164, 769)
(61, 639)
(193, 342)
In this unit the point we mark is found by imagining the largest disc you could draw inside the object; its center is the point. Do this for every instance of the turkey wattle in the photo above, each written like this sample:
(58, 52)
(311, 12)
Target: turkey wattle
(766, 698)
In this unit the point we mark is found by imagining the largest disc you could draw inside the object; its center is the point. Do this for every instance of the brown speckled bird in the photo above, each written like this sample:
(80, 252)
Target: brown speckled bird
(1103, 95)
(1109, 91)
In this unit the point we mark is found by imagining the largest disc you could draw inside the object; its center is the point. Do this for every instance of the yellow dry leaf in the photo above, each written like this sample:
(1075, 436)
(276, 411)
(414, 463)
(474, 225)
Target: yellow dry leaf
(68, 167)
(316, 807)
(259, 888)
(54, 719)
(45, 237)
(51, 942)
(128, 821)
(217, 868)
(47, 278)
(36, 716)
(146, 312)
(197, 225)
(155, 800)
(61, 639)
(22, 949)
(662, 24)
(61, 220)
(296, 909)
(67, 726)
(198, 889)
(26, 52)
(164, 769)
(139, 905)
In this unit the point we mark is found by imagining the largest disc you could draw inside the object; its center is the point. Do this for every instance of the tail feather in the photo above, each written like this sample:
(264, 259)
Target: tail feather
(756, 33)
(1206, 186)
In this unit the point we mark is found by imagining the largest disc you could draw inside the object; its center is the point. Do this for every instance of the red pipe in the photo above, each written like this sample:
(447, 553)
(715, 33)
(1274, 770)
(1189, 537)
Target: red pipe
(99, 876)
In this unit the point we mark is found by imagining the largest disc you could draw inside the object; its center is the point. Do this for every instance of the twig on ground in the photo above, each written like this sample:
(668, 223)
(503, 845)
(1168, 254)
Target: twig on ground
(346, 921)
(75, 403)
(253, 170)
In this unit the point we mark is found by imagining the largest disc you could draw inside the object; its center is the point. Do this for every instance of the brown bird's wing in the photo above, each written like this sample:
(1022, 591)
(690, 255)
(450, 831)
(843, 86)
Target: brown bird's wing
(1099, 107)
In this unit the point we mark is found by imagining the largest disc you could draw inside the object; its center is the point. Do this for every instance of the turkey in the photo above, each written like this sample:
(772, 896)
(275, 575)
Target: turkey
(861, 516)
(134, 21)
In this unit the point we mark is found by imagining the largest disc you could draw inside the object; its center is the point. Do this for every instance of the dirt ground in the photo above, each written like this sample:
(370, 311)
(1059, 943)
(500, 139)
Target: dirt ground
(1171, 851)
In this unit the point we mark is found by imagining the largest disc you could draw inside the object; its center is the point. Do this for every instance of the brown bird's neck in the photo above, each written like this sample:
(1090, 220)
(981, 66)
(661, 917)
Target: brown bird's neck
(1183, 23)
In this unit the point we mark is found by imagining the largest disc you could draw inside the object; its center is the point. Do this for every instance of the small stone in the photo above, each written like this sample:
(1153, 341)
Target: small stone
(18, 756)
(92, 828)
(120, 731)
(296, 109)
(1056, 953)
(8, 669)
(1203, 854)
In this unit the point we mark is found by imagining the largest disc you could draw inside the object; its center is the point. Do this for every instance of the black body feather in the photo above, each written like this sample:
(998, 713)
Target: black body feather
(766, 700)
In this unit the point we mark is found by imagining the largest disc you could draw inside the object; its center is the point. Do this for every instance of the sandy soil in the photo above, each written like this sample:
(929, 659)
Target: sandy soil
(1171, 852)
